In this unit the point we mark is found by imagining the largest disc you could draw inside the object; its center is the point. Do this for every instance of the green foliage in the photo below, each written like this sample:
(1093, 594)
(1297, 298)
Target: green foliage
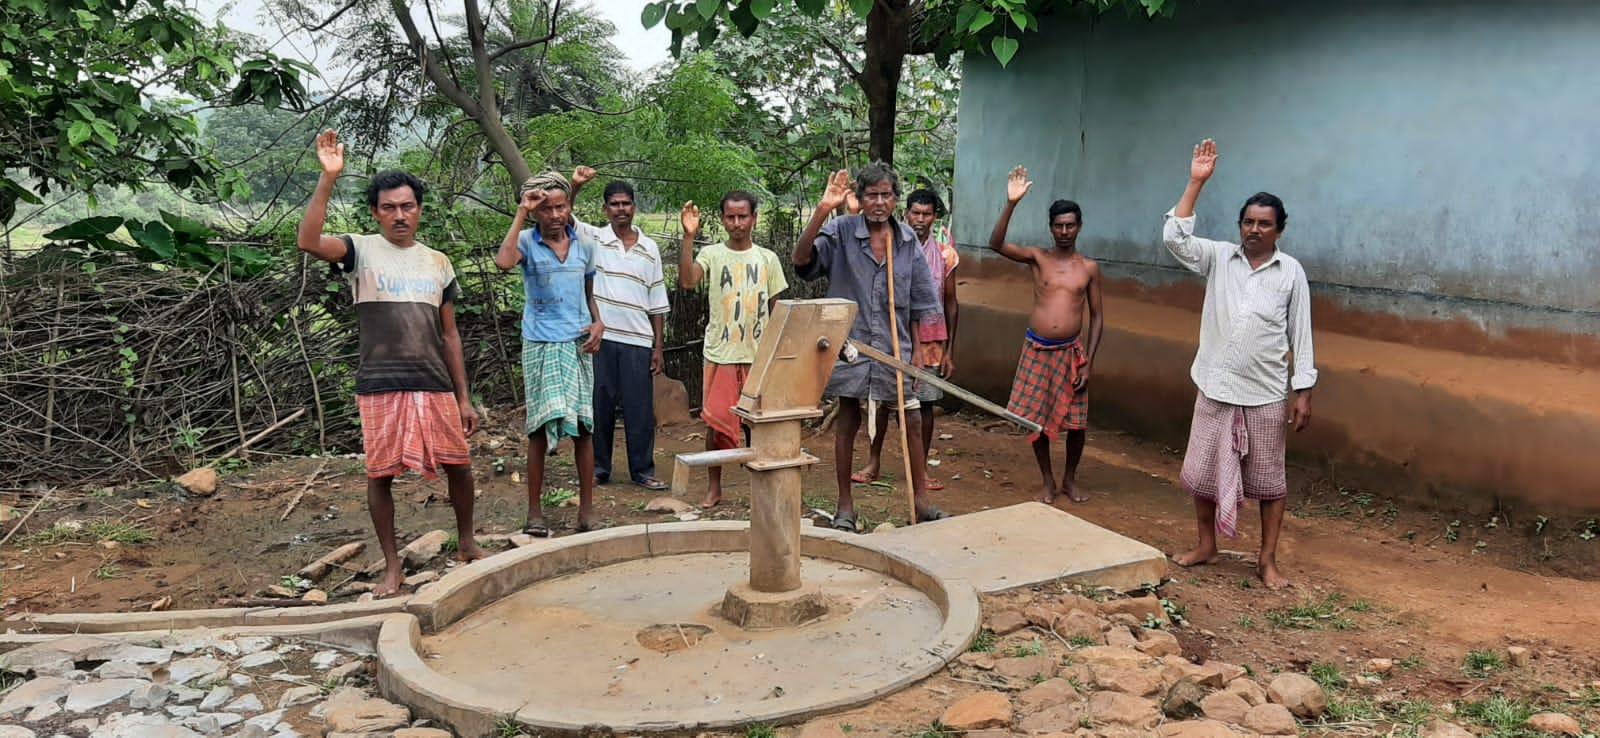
(1032, 648)
(948, 26)
(75, 90)
(173, 240)
(1329, 612)
(1506, 717)
(1327, 675)
(554, 497)
(984, 642)
(1481, 664)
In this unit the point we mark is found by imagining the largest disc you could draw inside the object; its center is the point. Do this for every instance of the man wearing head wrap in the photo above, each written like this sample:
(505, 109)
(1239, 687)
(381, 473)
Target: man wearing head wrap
(411, 386)
(561, 331)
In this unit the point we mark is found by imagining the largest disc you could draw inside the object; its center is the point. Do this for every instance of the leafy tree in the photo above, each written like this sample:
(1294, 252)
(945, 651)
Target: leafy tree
(800, 112)
(266, 147)
(78, 82)
(894, 31)
(492, 66)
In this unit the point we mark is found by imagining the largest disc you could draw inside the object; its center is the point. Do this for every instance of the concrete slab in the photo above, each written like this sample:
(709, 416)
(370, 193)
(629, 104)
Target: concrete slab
(1026, 544)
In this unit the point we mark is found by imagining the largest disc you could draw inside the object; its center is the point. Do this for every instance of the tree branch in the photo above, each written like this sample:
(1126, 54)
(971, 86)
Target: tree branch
(838, 53)
(330, 19)
(448, 63)
(555, 13)
(430, 65)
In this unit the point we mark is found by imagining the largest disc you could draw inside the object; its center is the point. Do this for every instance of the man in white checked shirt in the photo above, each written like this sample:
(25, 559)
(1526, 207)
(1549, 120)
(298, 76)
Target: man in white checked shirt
(1257, 315)
(631, 294)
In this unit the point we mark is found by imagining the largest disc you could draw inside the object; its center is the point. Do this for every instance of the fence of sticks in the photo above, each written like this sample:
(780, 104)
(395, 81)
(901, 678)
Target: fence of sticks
(114, 370)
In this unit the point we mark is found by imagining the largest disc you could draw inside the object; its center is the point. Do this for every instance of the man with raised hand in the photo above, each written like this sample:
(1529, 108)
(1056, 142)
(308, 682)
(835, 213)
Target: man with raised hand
(854, 252)
(411, 384)
(1257, 315)
(742, 283)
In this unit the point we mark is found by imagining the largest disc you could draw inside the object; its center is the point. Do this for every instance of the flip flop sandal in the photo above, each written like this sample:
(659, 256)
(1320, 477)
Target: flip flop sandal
(845, 521)
(652, 484)
(862, 478)
(935, 485)
(537, 529)
(932, 514)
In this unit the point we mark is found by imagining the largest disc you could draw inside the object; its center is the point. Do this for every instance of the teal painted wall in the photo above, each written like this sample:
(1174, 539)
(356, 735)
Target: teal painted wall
(1437, 158)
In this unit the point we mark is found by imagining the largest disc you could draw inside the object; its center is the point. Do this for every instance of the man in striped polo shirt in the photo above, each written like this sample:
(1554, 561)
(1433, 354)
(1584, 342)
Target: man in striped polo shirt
(631, 293)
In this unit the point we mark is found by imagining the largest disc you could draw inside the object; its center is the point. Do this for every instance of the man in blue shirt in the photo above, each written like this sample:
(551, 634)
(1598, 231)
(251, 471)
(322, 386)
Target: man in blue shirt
(560, 333)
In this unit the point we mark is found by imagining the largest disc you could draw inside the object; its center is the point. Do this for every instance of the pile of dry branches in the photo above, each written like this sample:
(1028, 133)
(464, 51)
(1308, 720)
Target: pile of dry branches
(120, 370)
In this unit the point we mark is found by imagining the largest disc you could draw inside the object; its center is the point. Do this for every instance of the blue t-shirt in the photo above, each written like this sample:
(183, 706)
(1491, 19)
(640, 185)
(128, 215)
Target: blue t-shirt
(557, 310)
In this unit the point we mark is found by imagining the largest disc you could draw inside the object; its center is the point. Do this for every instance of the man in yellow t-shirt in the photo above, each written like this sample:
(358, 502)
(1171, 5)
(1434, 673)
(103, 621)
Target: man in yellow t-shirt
(742, 281)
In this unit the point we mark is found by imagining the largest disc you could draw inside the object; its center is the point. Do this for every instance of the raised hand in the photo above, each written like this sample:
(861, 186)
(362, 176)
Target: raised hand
(1205, 161)
(851, 204)
(582, 176)
(531, 199)
(838, 191)
(690, 218)
(1017, 185)
(330, 153)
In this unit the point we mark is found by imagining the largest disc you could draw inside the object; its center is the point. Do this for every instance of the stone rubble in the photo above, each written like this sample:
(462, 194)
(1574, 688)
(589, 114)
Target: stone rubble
(1123, 674)
(191, 685)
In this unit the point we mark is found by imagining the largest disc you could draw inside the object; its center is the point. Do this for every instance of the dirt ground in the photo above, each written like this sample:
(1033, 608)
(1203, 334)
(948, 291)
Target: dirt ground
(1374, 577)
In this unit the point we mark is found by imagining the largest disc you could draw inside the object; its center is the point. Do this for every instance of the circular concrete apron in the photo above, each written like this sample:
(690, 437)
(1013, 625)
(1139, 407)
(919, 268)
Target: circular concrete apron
(622, 630)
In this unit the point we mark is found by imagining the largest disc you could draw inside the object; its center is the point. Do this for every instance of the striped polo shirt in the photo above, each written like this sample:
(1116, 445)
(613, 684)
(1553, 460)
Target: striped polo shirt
(628, 285)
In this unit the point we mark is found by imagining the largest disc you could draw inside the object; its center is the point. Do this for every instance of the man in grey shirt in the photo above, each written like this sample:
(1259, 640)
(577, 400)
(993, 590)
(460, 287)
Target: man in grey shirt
(853, 252)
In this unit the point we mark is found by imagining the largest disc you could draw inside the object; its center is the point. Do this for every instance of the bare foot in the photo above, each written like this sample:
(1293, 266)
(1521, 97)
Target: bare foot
(712, 500)
(586, 519)
(1048, 495)
(1197, 557)
(1070, 491)
(471, 552)
(389, 586)
(1271, 577)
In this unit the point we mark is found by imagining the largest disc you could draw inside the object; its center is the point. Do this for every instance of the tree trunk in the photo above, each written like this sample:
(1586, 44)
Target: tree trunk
(888, 41)
(503, 146)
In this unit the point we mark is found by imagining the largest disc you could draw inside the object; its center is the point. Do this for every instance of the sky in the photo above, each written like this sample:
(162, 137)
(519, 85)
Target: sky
(642, 48)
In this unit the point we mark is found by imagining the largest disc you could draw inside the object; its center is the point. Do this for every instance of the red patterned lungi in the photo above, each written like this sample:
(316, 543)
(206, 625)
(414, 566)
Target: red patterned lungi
(411, 430)
(1042, 390)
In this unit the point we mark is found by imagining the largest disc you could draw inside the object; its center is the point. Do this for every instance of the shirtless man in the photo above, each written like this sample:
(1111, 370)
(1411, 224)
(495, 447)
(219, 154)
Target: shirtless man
(1052, 383)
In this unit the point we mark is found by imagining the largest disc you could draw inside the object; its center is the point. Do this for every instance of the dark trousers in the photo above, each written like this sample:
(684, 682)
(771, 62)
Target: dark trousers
(622, 375)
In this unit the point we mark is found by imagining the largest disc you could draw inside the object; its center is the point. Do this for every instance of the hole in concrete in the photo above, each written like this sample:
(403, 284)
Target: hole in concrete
(669, 637)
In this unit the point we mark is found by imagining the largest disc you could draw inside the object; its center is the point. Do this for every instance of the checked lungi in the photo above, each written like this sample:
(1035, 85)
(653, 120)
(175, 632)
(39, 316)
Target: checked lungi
(1042, 390)
(411, 430)
(558, 385)
(1235, 453)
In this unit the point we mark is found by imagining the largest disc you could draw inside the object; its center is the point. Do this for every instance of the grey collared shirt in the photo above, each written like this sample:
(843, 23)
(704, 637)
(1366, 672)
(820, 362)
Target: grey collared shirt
(844, 255)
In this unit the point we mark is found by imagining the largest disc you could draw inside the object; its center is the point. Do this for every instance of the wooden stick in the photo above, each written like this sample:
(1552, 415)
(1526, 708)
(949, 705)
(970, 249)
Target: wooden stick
(262, 602)
(302, 492)
(900, 393)
(263, 434)
(318, 569)
(945, 385)
(24, 518)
